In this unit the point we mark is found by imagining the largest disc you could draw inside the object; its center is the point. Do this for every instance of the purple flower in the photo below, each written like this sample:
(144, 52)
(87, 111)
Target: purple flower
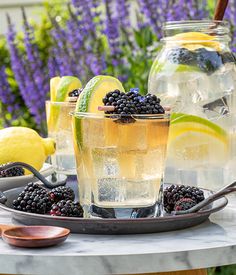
(7, 96)
(150, 10)
(123, 13)
(29, 72)
(112, 33)
(230, 15)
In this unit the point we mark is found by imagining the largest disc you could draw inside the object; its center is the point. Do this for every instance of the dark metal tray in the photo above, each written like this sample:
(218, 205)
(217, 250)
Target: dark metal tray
(111, 225)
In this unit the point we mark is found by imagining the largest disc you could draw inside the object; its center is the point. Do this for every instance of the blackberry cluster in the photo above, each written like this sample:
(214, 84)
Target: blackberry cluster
(174, 193)
(207, 61)
(184, 204)
(57, 202)
(34, 199)
(67, 208)
(61, 193)
(12, 172)
(132, 103)
(75, 93)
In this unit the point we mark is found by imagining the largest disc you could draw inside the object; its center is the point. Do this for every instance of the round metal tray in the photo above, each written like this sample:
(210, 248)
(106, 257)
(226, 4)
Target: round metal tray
(112, 225)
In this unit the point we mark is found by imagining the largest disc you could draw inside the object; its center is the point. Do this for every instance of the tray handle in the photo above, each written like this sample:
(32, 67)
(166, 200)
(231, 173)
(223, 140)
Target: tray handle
(35, 172)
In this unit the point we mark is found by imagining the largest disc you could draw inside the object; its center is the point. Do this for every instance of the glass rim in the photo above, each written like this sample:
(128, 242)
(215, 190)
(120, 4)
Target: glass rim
(166, 115)
(206, 22)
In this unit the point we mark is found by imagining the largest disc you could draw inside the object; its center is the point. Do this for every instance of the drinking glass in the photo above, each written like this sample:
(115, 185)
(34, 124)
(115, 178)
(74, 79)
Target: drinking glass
(120, 161)
(59, 128)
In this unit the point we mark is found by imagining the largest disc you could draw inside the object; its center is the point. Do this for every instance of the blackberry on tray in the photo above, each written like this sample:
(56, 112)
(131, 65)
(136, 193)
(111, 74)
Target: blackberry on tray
(12, 172)
(67, 208)
(174, 193)
(184, 204)
(61, 193)
(34, 199)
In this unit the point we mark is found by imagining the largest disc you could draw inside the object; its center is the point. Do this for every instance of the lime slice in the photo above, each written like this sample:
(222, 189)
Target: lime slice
(89, 100)
(93, 93)
(171, 68)
(193, 140)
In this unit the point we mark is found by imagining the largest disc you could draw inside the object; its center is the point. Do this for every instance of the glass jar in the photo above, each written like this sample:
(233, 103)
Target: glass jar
(195, 75)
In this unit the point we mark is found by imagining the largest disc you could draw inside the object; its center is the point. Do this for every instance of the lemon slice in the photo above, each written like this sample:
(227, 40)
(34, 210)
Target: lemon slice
(189, 39)
(59, 89)
(192, 138)
(66, 85)
(53, 87)
(93, 93)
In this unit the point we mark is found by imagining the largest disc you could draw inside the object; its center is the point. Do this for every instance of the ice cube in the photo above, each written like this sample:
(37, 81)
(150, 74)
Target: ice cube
(133, 136)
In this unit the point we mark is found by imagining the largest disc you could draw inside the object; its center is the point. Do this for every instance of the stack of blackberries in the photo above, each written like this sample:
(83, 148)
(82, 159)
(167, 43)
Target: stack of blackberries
(56, 202)
(132, 103)
(12, 172)
(181, 197)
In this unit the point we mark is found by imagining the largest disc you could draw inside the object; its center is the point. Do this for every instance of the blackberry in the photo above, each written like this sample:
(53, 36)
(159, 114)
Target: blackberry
(75, 93)
(208, 61)
(66, 208)
(12, 172)
(174, 193)
(182, 56)
(34, 199)
(184, 204)
(61, 193)
(150, 104)
(127, 104)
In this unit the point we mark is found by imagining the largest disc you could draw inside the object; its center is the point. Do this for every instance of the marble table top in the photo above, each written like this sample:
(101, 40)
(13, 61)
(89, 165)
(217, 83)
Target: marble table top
(212, 243)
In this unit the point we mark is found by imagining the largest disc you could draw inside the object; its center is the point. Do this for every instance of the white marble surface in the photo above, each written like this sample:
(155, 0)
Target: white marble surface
(210, 244)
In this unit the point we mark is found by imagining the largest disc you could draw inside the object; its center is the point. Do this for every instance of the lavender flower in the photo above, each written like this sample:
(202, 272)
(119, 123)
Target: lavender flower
(112, 33)
(149, 9)
(7, 96)
(230, 15)
(123, 14)
(28, 72)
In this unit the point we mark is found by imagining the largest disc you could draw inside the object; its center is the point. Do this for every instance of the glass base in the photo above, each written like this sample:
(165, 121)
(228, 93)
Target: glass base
(125, 213)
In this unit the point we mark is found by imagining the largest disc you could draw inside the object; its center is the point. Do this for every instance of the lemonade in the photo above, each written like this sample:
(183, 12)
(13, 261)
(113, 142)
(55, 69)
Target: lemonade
(120, 158)
(64, 92)
(195, 75)
(59, 128)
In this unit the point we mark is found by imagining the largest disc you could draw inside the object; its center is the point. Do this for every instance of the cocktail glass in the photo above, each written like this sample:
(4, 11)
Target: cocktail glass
(120, 162)
(59, 128)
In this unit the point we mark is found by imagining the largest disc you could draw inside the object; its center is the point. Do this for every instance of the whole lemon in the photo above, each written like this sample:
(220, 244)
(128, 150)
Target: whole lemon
(25, 145)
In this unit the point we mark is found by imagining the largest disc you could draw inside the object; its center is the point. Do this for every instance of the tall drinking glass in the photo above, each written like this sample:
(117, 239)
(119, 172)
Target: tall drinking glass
(120, 162)
(59, 128)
